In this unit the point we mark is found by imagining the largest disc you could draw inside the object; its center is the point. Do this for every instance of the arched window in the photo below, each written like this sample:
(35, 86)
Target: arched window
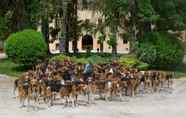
(87, 42)
(125, 41)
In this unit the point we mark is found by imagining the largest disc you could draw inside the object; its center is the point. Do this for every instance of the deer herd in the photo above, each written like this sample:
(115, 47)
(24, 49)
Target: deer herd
(66, 80)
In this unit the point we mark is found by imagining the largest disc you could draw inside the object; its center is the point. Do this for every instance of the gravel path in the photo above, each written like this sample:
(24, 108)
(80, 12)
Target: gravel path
(165, 104)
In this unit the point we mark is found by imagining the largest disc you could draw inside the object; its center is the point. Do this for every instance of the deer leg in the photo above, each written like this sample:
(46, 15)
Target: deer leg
(21, 101)
(76, 100)
(107, 94)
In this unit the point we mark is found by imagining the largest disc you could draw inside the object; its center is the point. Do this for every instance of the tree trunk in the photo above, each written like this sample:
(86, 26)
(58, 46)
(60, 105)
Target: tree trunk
(75, 45)
(114, 50)
(66, 46)
(45, 31)
(75, 19)
(64, 28)
(114, 47)
(147, 26)
(101, 47)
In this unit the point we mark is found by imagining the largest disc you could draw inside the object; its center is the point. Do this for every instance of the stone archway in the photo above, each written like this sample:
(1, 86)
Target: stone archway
(87, 42)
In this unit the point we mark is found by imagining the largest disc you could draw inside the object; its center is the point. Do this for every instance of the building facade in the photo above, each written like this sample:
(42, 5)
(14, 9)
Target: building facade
(91, 40)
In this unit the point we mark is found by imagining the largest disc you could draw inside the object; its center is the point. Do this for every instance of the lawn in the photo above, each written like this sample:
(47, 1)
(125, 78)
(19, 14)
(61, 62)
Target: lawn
(9, 68)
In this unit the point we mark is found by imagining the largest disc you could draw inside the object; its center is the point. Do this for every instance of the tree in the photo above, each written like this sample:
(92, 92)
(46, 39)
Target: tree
(24, 14)
(112, 42)
(160, 49)
(69, 22)
(101, 40)
(74, 24)
(100, 28)
(113, 11)
(3, 27)
(172, 14)
(18, 15)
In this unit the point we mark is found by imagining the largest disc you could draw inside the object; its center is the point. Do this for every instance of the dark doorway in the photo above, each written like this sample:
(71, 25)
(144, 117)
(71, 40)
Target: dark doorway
(87, 42)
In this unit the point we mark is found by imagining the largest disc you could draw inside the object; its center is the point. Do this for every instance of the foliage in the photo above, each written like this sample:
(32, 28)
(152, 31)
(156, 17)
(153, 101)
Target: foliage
(3, 27)
(101, 38)
(132, 62)
(16, 15)
(113, 11)
(112, 41)
(171, 14)
(32, 10)
(129, 62)
(87, 26)
(147, 53)
(60, 58)
(146, 11)
(143, 66)
(97, 59)
(135, 17)
(81, 60)
(160, 49)
(26, 47)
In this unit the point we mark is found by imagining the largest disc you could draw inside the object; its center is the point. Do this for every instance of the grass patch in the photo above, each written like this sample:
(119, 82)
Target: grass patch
(7, 67)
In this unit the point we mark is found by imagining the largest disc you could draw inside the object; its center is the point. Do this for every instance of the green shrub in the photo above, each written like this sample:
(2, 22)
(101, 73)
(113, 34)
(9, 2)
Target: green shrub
(129, 62)
(83, 60)
(103, 55)
(147, 53)
(97, 59)
(133, 62)
(60, 58)
(143, 66)
(26, 47)
(161, 50)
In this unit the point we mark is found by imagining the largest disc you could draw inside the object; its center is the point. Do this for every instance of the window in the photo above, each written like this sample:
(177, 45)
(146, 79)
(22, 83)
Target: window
(57, 46)
(125, 41)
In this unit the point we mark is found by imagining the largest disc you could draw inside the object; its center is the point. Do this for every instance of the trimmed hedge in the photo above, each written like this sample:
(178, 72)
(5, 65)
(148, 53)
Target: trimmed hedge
(26, 47)
(160, 50)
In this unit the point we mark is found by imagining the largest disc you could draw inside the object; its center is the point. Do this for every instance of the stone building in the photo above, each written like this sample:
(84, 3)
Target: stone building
(92, 39)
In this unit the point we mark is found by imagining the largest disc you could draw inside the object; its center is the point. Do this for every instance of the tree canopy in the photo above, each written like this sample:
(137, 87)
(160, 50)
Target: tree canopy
(134, 17)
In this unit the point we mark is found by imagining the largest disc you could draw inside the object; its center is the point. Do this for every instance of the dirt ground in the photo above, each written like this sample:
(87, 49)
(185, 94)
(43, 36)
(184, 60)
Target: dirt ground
(166, 104)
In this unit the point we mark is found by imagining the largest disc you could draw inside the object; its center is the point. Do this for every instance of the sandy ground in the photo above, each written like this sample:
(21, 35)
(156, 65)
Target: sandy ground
(166, 104)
